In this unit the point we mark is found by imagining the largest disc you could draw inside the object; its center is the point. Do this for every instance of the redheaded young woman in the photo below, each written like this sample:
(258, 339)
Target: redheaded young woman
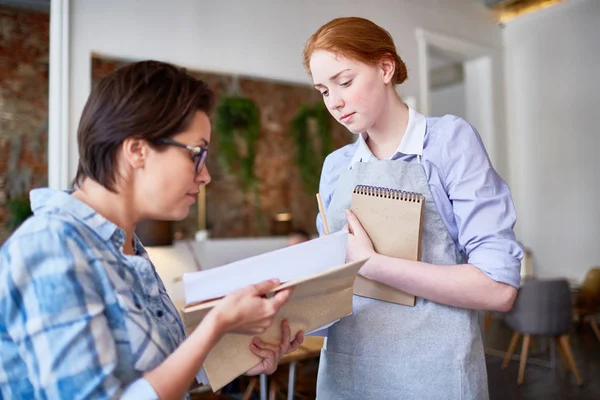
(470, 258)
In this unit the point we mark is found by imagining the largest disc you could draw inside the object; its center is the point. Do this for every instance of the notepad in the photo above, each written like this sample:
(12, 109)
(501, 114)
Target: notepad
(393, 220)
(322, 293)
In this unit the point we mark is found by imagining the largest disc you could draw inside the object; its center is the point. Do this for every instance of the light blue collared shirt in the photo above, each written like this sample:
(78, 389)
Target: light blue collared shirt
(472, 199)
(79, 318)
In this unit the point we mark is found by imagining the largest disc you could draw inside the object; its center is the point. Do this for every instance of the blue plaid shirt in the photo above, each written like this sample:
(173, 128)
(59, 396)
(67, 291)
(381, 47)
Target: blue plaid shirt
(78, 318)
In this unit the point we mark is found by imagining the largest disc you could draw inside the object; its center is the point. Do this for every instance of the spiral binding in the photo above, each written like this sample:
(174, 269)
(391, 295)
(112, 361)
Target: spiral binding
(386, 193)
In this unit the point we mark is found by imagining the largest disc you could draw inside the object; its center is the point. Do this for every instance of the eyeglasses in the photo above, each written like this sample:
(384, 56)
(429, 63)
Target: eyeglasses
(199, 154)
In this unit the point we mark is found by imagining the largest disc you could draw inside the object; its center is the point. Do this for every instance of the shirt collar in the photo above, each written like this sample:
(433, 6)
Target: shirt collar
(50, 201)
(412, 141)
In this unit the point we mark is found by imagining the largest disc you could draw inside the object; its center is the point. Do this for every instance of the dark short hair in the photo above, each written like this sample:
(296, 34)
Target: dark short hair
(148, 100)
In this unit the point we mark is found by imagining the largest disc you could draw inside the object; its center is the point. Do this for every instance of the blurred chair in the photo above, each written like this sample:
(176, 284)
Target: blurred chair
(542, 308)
(587, 301)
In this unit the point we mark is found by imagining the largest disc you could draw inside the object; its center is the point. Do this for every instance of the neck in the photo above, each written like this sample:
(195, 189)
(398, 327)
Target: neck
(387, 132)
(117, 207)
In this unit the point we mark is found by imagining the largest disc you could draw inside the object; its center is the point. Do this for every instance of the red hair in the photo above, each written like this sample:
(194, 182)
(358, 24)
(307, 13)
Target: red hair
(358, 39)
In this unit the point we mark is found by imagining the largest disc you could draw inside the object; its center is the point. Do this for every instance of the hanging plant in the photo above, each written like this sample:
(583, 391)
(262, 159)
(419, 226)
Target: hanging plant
(311, 128)
(237, 122)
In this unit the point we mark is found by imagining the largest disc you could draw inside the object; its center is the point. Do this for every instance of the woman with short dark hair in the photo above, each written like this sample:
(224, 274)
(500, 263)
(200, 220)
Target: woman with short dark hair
(83, 313)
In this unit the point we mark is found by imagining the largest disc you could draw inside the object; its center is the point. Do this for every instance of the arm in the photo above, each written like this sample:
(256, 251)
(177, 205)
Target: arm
(174, 377)
(463, 285)
(484, 216)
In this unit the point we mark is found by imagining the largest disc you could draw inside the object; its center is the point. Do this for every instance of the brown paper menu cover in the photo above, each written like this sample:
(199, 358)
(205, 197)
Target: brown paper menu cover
(316, 301)
(393, 220)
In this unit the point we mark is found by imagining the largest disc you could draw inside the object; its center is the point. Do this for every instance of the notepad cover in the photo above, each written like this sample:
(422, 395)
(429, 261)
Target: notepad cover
(316, 300)
(393, 220)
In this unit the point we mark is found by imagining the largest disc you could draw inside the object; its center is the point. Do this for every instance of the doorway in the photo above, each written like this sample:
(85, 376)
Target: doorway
(455, 77)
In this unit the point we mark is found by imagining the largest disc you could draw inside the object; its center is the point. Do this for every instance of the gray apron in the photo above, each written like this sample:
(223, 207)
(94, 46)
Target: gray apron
(388, 351)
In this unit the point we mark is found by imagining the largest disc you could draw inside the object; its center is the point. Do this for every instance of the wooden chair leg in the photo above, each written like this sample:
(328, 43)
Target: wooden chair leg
(511, 349)
(487, 321)
(595, 327)
(564, 341)
(251, 385)
(564, 361)
(524, 350)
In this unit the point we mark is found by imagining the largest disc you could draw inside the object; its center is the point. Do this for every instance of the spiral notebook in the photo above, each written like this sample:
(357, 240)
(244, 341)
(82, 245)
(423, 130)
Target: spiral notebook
(393, 220)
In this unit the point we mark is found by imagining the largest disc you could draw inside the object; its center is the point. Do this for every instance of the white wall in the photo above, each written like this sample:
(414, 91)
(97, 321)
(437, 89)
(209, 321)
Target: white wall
(552, 64)
(261, 38)
(483, 81)
(449, 100)
(483, 74)
(447, 84)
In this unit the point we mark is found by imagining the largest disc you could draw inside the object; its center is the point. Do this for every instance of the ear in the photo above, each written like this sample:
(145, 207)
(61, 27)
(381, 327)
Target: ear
(135, 152)
(388, 67)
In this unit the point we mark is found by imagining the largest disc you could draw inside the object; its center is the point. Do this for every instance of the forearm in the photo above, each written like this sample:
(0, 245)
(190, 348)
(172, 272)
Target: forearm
(174, 377)
(463, 285)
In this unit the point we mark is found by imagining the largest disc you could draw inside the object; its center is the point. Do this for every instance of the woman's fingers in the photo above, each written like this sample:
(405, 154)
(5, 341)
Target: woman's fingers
(264, 345)
(285, 333)
(265, 286)
(269, 361)
(298, 340)
(281, 298)
(354, 224)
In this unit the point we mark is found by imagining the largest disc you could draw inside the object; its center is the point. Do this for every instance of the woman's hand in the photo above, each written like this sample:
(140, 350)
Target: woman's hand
(359, 244)
(271, 353)
(248, 311)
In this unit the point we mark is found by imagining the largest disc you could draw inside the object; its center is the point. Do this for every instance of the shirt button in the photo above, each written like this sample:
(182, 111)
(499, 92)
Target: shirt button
(159, 313)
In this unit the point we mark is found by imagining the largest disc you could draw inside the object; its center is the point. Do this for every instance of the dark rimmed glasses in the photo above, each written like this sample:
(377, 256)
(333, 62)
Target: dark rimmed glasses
(199, 154)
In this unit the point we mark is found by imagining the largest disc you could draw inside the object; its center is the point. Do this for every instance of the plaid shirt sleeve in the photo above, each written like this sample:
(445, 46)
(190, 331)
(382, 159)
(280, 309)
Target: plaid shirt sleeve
(53, 313)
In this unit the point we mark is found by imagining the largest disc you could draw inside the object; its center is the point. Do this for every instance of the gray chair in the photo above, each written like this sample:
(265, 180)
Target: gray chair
(542, 308)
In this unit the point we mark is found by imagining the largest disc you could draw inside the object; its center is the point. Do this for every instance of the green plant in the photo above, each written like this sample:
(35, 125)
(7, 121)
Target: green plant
(311, 128)
(237, 122)
(19, 211)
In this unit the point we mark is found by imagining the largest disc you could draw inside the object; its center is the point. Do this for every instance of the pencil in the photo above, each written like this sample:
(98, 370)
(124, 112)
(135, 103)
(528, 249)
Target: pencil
(322, 212)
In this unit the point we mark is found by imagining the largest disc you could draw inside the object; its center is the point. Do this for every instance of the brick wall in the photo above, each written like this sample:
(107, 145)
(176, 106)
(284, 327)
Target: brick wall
(24, 51)
(24, 48)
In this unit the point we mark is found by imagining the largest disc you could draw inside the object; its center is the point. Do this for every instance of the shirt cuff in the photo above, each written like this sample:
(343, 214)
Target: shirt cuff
(139, 389)
(498, 265)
